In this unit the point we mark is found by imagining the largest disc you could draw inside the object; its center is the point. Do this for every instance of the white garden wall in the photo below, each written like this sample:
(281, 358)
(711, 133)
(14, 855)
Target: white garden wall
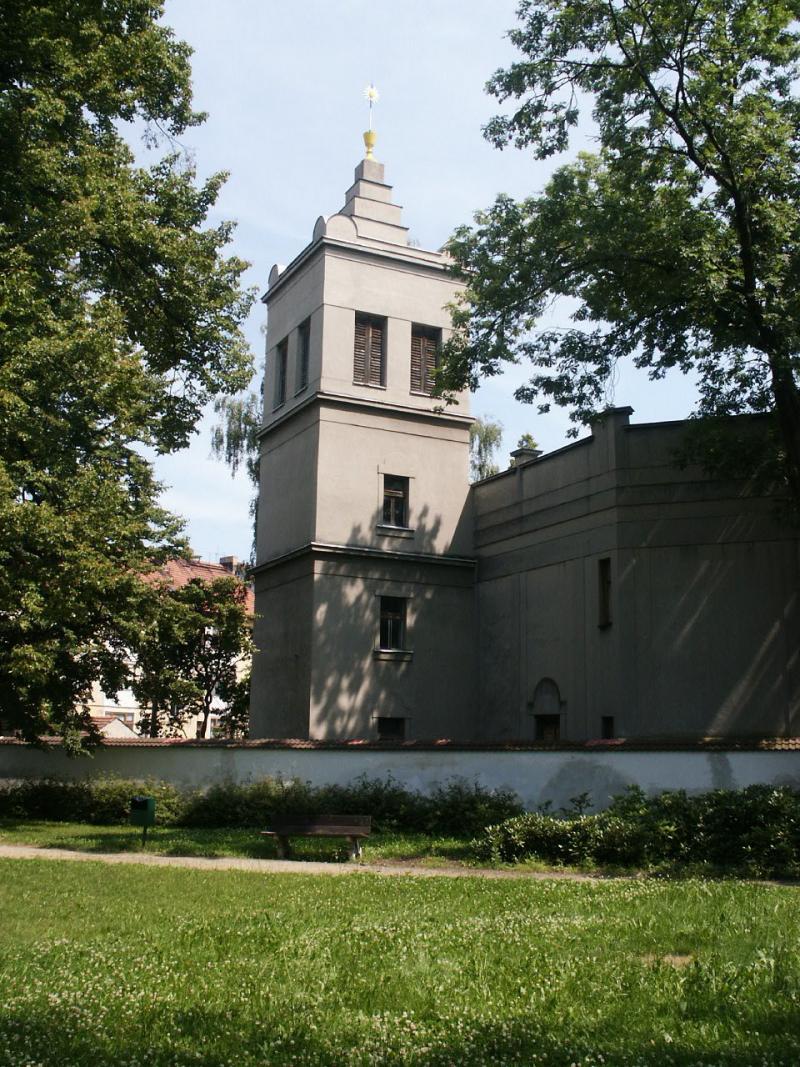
(536, 776)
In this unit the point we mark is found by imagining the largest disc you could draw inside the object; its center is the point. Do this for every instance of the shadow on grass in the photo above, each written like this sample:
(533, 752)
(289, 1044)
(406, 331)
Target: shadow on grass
(238, 842)
(284, 1036)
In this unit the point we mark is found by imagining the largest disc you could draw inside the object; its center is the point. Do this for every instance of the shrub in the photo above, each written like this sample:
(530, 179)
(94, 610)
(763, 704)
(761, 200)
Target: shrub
(753, 831)
(102, 801)
(458, 807)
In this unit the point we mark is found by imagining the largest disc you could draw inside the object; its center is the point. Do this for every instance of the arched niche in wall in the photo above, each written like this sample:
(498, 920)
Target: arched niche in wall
(545, 711)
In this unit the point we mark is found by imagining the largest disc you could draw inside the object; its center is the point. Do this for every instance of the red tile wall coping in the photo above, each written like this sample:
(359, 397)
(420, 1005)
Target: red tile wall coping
(706, 744)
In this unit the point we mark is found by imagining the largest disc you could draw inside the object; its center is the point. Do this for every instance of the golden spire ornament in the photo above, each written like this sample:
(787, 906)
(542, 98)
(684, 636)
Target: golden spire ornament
(372, 96)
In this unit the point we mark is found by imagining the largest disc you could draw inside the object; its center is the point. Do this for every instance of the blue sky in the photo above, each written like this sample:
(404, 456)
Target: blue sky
(283, 87)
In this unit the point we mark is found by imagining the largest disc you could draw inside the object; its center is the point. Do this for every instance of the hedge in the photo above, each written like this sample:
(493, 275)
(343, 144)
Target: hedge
(753, 831)
(455, 808)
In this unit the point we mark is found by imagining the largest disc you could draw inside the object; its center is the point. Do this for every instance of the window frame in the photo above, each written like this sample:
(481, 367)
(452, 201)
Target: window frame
(281, 373)
(392, 494)
(392, 623)
(604, 612)
(395, 720)
(544, 724)
(303, 350)
(367, 377)
(423, 373)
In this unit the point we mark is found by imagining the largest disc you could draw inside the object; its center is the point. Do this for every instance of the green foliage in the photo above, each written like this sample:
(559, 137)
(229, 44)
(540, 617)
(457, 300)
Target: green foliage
(679, 240)
(234, 439)
(189, 652)
(101, 801)
(485, 436)
(119, 321)
(457, 807)
(754, 831)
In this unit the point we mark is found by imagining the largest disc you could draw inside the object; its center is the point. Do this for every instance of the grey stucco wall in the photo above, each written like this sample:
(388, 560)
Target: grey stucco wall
(704, 638)
(536, 776)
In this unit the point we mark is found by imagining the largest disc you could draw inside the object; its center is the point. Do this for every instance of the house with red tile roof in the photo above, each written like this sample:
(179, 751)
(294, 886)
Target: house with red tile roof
(120, 718)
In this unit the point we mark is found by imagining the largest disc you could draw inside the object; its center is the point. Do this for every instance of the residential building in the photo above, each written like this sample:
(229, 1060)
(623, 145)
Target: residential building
(125, 710)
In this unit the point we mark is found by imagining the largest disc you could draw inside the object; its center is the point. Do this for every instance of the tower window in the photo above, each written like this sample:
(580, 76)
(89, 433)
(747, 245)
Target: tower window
(368, 351)
(425, 345)
(303, 338)
(395, 500)
(393, 623)
(281, 360)
(604, 592)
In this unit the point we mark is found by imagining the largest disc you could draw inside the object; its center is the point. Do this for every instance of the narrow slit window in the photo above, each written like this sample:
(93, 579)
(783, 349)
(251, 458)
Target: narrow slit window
(281, 361)
(395, 501)
(393, 623)
(604, 592)
(303, 339)
(368, 351)
(426, 343)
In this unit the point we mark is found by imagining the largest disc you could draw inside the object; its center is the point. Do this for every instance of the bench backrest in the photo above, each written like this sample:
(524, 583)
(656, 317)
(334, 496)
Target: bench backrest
(343, 823)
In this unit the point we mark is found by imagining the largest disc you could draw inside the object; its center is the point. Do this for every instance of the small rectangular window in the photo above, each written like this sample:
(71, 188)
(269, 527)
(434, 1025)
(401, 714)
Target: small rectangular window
(607, 727)
(604, 592)
(281, 360)
(426, 342)
(391, 728)
(395, 501)
(547, 727)
(393, 623)
(303, 338)
(368, 351)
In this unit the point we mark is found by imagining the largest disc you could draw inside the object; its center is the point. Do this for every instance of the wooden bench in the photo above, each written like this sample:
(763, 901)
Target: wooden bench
(354, 827)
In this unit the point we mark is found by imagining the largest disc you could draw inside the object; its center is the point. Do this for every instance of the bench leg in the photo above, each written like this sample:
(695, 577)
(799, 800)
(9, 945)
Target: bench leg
(284, 848)
(355, 848)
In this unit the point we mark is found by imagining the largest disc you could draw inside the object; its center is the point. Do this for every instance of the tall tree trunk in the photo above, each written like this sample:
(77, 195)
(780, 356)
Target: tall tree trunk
(154, 718)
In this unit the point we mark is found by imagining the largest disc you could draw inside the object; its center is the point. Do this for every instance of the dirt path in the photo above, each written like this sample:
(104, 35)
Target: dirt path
(232, 863)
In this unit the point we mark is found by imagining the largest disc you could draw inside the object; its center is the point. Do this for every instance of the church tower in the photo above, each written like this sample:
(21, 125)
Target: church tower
(364, 578)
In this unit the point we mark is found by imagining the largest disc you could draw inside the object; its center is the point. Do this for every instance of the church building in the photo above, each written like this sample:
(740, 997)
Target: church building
(594, 592)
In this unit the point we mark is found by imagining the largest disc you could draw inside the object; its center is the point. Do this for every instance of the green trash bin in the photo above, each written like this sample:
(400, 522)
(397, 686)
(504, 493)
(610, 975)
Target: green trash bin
(143, 813)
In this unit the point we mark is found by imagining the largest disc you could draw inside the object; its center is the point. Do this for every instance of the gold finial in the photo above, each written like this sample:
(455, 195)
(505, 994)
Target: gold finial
(372, 96)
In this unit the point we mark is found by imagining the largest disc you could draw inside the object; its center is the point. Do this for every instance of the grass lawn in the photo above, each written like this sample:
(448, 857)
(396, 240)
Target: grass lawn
(142, 966)
(180, 841)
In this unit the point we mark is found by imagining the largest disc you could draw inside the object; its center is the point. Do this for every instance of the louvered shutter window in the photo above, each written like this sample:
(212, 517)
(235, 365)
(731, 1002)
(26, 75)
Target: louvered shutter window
(425, 342)
(368, 351)
(416, 363)
(360, 352)
(376, 353)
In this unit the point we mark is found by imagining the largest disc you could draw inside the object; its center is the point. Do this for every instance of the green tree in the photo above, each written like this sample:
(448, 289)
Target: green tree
(234, 720)
(679, 239)
(484, 440)
(190, 654)
(119, 321)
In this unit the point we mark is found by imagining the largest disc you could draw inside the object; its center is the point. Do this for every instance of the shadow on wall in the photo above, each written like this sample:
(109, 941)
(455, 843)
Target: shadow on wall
(580, 776)
(719, 652)
(392, 640)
